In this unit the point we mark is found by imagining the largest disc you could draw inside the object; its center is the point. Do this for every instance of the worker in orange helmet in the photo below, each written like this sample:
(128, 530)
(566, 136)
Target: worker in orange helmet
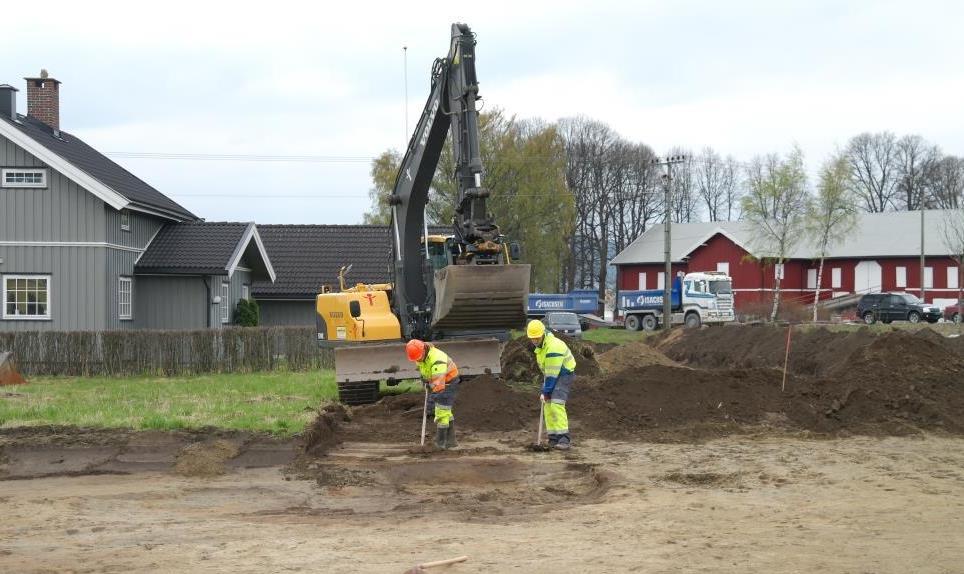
(441, 375)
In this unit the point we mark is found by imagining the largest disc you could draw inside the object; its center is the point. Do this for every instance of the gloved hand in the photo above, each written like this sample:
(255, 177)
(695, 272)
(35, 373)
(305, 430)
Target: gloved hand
(438, 388)
(546, 397)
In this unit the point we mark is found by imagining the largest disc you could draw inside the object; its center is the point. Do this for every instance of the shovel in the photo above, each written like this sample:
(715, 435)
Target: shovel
(420, 568)
(538, 446)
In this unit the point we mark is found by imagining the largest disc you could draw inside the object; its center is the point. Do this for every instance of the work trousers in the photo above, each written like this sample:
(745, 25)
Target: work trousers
(443, 402)
(554, 410)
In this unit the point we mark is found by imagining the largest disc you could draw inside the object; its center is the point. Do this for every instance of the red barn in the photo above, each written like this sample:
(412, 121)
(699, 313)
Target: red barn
(882, 253)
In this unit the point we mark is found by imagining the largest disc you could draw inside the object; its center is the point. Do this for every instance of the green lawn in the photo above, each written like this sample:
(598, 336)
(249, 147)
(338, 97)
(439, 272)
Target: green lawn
(618, 336)
(277, 402)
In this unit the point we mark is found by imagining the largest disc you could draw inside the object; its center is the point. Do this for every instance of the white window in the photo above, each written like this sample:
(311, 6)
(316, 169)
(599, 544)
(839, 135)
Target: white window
(661, 280)
(225, 302)
(124, 301)
(835, 278)
(723, 266)
(26, 297)
(928, 277)
(778, 271)
(17, 177)
(642, 281)
(125, 220)
(901, 277)
(245, 292)
(811, 278)
(952, 277)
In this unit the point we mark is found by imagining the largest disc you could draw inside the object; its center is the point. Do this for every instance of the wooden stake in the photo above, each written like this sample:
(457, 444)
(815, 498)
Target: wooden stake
(424, 414)
(786, 360)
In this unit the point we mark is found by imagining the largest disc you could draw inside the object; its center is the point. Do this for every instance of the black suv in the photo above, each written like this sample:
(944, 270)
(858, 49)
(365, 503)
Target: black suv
(887, 307)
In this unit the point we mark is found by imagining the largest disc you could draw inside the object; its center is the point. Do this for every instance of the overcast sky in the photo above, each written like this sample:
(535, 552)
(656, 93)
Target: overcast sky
(282, 79)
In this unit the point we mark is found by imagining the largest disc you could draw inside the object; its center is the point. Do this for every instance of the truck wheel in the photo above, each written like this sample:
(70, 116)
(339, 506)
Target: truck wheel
(956, 318)
(633, 323)
(692, 321)
(649, 323)
(358, 393)
(913, 317)
(869, 318)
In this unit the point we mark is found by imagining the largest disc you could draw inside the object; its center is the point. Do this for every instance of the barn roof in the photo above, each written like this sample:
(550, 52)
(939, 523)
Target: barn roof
(876, 235)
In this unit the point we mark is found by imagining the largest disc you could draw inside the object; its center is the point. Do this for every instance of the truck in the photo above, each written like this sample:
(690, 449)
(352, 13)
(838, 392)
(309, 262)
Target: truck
(579, 301)
(699, 298)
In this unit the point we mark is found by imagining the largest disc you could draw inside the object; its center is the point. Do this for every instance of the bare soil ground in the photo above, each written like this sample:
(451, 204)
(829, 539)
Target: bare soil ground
(698, 461)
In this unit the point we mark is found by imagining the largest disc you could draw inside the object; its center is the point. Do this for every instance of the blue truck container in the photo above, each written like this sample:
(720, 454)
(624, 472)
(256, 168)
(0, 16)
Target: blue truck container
(579, 301)
(649, 298)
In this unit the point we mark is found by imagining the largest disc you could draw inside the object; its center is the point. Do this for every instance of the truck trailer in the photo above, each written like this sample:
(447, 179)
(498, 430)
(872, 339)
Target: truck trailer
(700, 298)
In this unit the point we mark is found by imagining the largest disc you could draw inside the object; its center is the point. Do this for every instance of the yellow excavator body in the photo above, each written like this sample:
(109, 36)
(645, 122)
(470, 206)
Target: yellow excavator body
(375, 320)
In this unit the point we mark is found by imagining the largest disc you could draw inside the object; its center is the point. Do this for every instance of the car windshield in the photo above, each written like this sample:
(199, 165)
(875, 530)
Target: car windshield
(721, 287)
(563, 319)
(911, 299)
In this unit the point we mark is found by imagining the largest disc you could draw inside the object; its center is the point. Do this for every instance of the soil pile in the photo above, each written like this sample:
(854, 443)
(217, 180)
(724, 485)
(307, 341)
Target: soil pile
(205, 459)
(519, 362)
(634, 354)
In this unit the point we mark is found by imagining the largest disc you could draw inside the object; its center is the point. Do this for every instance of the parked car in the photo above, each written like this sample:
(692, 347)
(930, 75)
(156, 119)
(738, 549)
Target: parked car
(953, 312)
(888, 307)
(565, 323)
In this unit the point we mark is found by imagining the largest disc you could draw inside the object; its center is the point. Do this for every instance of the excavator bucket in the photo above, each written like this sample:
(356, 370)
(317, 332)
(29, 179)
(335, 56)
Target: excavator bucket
(469, 297)
(8, 371)
(359, 368)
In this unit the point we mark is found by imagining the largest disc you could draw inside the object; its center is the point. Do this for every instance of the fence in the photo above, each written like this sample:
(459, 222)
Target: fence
(123, 353)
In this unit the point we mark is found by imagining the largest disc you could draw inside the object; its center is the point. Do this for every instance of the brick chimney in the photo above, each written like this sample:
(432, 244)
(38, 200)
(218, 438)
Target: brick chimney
(43, 99)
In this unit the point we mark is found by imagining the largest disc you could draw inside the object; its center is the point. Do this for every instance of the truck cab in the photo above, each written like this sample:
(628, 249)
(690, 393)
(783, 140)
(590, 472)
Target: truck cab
(704, 297)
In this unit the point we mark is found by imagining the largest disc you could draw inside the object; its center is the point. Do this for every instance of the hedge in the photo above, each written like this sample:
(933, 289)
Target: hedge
(124, 353)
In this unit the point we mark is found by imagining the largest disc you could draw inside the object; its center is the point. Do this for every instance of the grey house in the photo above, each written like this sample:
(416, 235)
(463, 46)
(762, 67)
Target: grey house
(86, 245)
(306, 257)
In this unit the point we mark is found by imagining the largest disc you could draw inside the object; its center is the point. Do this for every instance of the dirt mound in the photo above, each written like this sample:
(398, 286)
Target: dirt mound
(205, 459)
(634, 354)
(487, 403)
(519, 362)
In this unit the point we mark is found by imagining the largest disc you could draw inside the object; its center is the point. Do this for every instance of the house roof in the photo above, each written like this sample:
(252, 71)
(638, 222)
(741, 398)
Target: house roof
(309, 256)
(208, 248)
(890, 234)
(89, 168)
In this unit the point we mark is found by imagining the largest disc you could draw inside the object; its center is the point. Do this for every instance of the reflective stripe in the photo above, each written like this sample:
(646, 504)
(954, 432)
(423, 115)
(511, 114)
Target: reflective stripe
(443, 407)
(559, 432)
(558, 402)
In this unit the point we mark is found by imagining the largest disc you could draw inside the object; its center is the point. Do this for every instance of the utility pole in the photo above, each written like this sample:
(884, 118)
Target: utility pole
(922, 262)
(668, 236)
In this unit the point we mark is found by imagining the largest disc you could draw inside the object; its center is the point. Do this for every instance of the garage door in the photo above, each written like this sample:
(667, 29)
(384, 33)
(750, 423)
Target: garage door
(867, 277)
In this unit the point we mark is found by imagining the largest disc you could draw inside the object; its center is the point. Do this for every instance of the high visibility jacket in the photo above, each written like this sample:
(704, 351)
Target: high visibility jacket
(554, 359)
(437, 369)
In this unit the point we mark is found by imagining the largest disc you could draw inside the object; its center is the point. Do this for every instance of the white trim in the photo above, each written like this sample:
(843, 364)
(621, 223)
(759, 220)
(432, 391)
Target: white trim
(239, 268)
(123, 226)
(72, 172)
(225, 303)
(165, 214)
(952, 275)
(722, 232)
(3, 290)
(149, 241)
(130, 299)
(42, 171)
(70, 244)
(245, 292)
(249, 233)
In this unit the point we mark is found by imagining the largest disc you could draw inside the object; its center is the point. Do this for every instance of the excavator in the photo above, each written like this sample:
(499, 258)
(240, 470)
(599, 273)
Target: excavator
(463, 291)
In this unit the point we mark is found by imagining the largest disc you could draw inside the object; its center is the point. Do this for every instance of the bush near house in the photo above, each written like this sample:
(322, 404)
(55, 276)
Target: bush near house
(248, 314)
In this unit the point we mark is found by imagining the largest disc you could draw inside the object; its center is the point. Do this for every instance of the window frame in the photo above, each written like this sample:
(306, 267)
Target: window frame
(125, 214)
(723, 266)
(3, 288)
(130, 299)
(246, 292)
(836, 277)
(225, 306)
(43, 178)
(928, 277)
(953, 273)
(900, 276)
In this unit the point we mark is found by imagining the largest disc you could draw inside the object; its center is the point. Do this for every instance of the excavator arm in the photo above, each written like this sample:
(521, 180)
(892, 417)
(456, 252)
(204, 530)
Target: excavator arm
(462, 297)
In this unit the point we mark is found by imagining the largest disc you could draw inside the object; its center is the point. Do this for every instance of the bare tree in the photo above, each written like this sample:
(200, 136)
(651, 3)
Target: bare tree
(946, 183)
(776, 204)
(713, 180)
(874, 169)
(953, 232)
(832, 215)
(731, 188)
(916, 160)
(685, 199)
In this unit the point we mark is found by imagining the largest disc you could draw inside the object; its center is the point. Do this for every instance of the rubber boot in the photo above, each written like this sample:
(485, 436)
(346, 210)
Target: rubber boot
(440, 436)
(450, 441)
(563, 443)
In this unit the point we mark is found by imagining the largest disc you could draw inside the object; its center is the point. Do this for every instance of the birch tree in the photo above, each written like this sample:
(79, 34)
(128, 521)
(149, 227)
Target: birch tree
(953, 235)
(776, 204)
(832, 214)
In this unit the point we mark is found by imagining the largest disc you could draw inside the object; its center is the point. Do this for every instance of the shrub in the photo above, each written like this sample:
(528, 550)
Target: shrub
(247, 314)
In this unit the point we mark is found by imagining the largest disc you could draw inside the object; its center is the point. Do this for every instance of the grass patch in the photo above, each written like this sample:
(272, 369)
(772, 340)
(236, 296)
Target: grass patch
(617, 336)
(280, 403)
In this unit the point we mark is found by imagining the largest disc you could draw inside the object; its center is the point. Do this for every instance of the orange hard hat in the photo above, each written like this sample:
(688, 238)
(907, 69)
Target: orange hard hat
(415, 350)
